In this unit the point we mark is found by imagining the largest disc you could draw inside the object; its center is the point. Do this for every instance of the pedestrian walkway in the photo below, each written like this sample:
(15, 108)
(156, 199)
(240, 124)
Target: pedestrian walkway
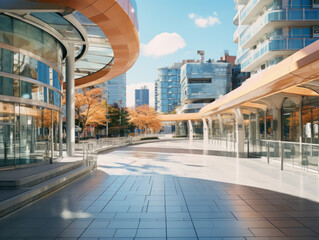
(149, 192)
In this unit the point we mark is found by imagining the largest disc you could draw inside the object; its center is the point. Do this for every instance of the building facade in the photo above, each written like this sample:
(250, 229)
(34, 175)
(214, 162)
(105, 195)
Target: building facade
(168, 88)
(203, 83)
(114, 90)
(238, 77)
(270, 31)
(142, 96)
(46, 48)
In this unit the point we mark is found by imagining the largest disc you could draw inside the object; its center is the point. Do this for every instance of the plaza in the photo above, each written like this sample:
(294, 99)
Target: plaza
(148, 192)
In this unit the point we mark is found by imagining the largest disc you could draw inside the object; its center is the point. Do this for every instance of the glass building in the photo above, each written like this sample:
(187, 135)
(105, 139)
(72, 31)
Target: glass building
(114, 90)
(203, 83)
(45, 49)
(168, 88)
(142, 97)
(270, 31)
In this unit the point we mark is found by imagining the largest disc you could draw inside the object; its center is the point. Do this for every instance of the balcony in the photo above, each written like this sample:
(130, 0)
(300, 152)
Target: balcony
(236, 36)
(270, 48)
(250, 12)
(236, 19)
(277, 18)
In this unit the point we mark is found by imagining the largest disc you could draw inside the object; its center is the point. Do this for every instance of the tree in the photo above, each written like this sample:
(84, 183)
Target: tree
(145, 118)
(118, 120)
(90, 109)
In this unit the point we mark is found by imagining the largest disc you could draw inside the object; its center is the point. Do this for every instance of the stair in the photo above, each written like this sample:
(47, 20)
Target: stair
(22, 189)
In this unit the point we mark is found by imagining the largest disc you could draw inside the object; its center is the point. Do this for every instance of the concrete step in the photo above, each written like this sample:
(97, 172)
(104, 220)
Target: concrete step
(23, 178)
(37, 191)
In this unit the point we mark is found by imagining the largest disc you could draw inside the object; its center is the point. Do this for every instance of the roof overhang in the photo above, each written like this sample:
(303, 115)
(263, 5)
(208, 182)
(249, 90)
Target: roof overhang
(118, 27)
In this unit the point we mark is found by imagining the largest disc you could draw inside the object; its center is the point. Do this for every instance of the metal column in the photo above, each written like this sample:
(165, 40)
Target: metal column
(70, 110)
(190, 130)
(60, 135)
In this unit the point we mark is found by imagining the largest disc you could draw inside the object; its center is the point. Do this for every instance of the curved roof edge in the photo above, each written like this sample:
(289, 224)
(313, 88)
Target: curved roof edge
(117, 26)
(303, 66)
(179, 117)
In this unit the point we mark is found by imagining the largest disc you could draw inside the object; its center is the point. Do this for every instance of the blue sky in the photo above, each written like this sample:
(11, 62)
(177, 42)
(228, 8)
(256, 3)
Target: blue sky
(173, 30)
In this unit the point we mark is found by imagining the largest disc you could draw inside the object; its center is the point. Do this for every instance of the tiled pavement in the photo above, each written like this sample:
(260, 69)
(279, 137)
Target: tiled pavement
(159, 195)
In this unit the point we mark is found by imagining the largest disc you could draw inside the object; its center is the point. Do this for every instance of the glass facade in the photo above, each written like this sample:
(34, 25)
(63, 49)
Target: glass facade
(204, 83)
(267, 35)
(30, 93)
(114, 90)
(142, 97)
(21, 35)
(168, 89)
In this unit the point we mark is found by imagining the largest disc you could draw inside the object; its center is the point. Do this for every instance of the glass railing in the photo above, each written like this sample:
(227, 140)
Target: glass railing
(244, 12)
(285, 155)
(304, 156)
(278, 15)
(276, 45)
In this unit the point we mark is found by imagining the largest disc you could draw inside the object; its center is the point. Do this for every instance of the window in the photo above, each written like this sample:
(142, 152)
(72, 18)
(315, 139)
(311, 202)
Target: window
(199, 80)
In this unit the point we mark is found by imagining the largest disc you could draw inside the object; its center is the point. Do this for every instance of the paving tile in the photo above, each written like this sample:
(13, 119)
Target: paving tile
(80, 223)
(152, 224)
(268, 232)
(123, 224)
(299, 232)
(151, 233)
(285, 222)
(72, 232)
(181, 232)
(99, 233)
(223, 232)
(121, 233)
(179, 224)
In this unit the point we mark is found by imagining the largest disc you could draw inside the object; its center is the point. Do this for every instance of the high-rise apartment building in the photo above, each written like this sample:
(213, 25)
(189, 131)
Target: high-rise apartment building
(142, 96)
(271, 30)
(114, 90)
(168, 88)
(203, 82)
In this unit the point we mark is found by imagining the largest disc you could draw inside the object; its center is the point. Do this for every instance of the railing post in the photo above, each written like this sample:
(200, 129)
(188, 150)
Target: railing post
(301, 154)
(248, 148)
(268, 153)
(281, 155)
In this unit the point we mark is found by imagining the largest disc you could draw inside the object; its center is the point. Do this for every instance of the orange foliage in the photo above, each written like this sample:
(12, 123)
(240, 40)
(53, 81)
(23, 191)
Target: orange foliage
(89, 107)
(146, 118)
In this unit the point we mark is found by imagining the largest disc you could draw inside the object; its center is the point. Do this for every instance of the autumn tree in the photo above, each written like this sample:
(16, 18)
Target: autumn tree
(90, 109)
(145, 118)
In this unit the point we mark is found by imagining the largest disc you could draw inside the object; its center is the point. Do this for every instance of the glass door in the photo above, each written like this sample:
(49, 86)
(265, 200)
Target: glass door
(7, 157)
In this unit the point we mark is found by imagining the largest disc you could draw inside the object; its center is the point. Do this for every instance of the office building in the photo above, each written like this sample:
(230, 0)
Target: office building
(168, 88)
(142, 96)
(270, 31)
(238, 77)
(44, 46)
(203, 82)
(114, 90)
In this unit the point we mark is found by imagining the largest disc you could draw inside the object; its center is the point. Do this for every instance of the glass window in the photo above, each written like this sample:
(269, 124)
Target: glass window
(43, 73)
(26, 90)
(29, 67)
(290, 121)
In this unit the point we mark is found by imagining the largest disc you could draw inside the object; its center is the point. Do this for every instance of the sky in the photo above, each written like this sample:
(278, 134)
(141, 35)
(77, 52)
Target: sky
(173, 30)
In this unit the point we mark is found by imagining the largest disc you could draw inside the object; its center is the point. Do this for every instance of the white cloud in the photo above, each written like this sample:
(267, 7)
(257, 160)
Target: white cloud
(163, 44)
(130, 93)
(191, 15)
(205, 22)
